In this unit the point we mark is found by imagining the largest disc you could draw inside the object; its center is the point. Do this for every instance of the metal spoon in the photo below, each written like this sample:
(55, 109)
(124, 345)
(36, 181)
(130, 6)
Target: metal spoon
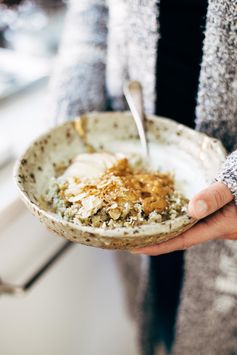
(134, 96)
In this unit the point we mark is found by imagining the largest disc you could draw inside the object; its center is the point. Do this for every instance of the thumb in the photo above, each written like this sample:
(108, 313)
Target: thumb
(209, 200)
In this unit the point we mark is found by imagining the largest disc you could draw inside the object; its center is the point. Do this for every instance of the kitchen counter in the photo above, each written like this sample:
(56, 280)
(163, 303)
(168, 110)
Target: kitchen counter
(76, 308)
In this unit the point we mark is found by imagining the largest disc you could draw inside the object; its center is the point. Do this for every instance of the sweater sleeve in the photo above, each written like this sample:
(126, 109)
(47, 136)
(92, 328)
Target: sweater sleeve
(78, 80)
(228, 174)
(216, 102)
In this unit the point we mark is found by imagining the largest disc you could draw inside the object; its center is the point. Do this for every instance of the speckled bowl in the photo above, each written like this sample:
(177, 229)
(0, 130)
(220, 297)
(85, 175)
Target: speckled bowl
(193, 157)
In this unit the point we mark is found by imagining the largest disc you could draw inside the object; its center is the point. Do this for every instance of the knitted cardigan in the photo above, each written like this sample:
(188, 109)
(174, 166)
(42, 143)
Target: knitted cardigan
(108, 42)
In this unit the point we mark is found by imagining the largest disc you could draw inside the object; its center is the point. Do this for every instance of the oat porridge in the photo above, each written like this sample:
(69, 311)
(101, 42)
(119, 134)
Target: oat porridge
(113, 190)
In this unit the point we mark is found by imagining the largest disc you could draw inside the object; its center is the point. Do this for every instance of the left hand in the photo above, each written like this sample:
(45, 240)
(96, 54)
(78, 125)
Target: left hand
(218, 220)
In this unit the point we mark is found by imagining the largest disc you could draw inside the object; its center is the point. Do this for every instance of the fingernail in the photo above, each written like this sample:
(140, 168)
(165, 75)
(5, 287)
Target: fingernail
(200, 207)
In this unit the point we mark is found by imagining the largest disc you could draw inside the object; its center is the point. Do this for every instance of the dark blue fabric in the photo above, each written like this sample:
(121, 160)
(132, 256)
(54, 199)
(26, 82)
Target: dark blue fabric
(182, 24)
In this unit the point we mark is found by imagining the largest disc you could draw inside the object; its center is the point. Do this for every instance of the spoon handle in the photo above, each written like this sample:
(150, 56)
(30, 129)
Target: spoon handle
(134, 96)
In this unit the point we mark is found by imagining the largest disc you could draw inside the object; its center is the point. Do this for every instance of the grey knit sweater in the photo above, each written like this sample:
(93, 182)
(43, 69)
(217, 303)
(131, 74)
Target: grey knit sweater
(107, 42)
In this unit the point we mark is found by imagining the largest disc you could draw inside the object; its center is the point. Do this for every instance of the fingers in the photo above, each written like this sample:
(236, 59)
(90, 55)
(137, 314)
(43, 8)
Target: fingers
(221, 224)
(200, 233)
(209, 200)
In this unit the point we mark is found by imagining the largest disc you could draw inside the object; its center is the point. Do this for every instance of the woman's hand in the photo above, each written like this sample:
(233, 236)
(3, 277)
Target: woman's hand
(218, 214)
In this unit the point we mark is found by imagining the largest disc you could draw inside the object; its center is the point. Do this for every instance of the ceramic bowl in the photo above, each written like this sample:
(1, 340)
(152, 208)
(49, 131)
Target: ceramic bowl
(192, 157)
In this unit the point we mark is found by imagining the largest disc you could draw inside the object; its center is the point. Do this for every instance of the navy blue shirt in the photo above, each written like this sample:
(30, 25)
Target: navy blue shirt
(182, 25)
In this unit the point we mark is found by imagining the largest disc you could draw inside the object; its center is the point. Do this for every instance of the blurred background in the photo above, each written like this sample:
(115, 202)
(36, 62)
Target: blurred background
(77, 306)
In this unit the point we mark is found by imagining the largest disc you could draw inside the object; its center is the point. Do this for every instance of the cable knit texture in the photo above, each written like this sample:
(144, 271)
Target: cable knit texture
(228, 174)
(108, 42)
